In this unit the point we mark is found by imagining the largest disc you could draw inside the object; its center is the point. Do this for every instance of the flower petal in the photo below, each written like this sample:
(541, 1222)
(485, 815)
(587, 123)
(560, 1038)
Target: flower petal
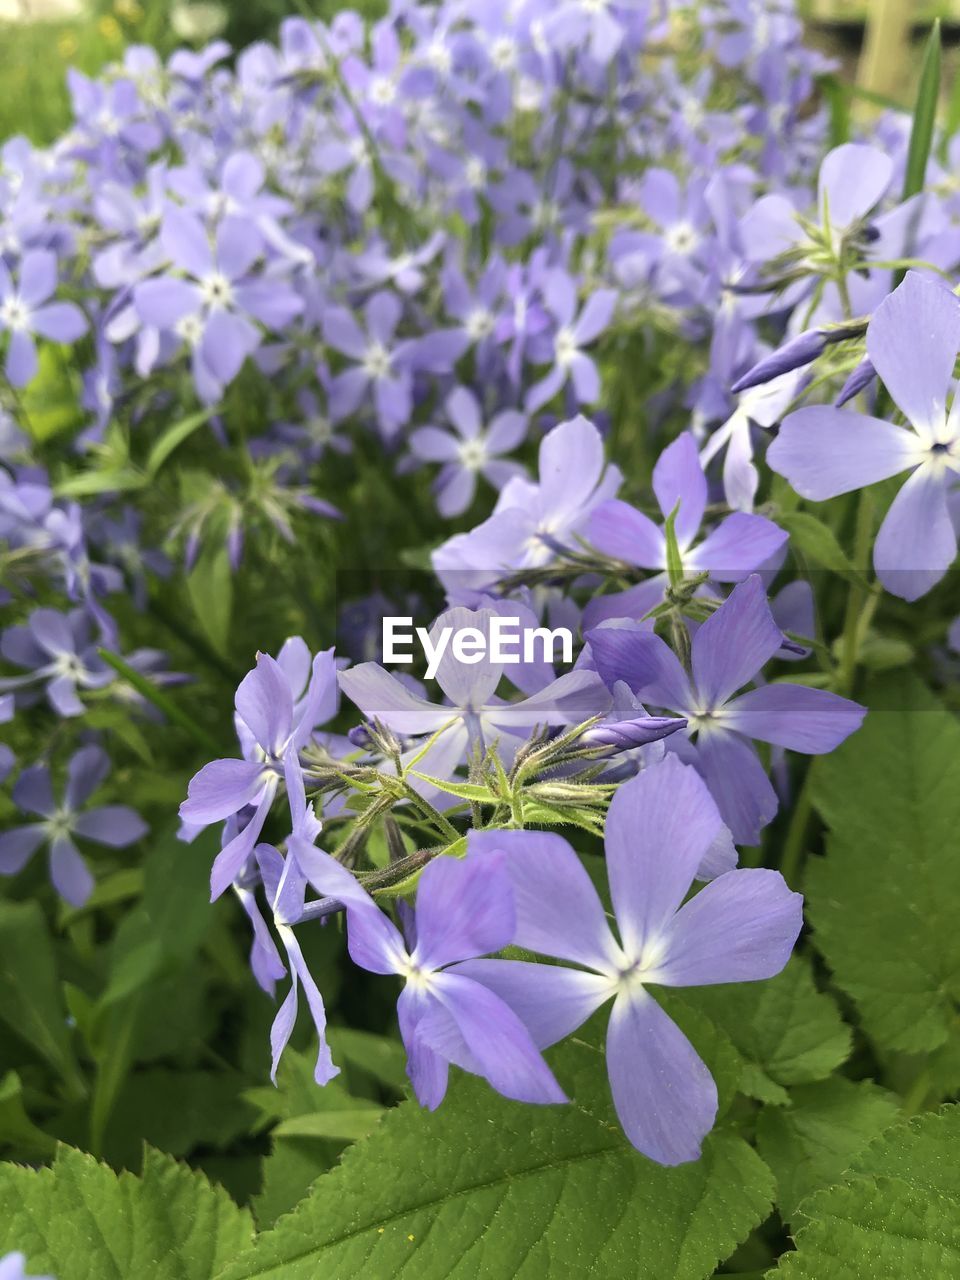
(734, 643)
(917, 542)
(794, 716)
(824, 451)
(664, 1095)
(550, 1000)
(678, 478)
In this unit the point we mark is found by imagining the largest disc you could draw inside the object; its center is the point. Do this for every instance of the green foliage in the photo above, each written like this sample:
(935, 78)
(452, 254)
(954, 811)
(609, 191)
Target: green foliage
(882, 902)
(787, 1032)
(896, 1212)
(80, 1221)
(485, 1186)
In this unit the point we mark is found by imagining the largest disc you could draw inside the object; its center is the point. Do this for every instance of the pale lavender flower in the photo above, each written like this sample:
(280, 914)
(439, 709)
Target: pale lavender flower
(473, 448)
(912, 342)
(13, 1266)
(115, 825)
(573, 332)
(59, 650)
(464, 909)
(740, 928)
(25, 311)
(728, 651)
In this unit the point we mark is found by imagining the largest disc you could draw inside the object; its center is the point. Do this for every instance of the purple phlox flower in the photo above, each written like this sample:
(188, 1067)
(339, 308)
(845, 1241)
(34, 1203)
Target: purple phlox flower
(684, 239)
(564, 348)
(531, 520)
(210, 310)
(472, 448)
(114, 825)
(108, 114)
(741, 927)
(592, 27)
(13, 1266)
(760, 406)
(378, 266)
(194, 66)
(464, 910)
(479, 308)
(313, 434)
(474, 714)
(379, 365)
(728, 651)
(853, 180)
(119, 538)
(912, 342)
(25, 311)
(740, 544)
(134, 220)
(278, 705)
(152, 664)
(524, 320)
(58, 649)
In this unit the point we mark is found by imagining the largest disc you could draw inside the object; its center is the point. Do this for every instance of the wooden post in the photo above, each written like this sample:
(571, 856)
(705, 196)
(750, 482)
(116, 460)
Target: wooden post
(884, 61)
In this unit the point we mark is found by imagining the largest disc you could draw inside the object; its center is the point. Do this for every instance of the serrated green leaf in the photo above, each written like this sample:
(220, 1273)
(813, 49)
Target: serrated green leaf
(810, 1143)
(79, 1221)
(787, 1032)
(896, 1213)
(488, 1187)
(883, 900)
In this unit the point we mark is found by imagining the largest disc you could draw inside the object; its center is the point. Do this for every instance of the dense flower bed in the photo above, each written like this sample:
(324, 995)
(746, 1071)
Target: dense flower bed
(584, 315)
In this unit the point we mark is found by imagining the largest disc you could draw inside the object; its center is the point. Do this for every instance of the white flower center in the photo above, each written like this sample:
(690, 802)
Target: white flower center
(681, 238)
(376, 362)
(565, 345)
(472, 453)
(190, 329)
(479, 323)
(59, 824)
(475, 172)
(382, 91)
(15, 314)
(216, 291)
(503, 52)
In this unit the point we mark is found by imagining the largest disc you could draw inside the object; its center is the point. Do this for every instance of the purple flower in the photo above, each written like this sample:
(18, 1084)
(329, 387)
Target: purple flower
(912, 342)
(278, 705)
(740, 544)
(728, 651)
(474, 715)
(25, 311)
(58, 649)
(13, 1266)
(115, 825)
(211, 309)
(741, 927)
(470, 449)
(379, 362)
(761, 406)
(628, 726)
(531, 520)
(573, 332)
(464, 909)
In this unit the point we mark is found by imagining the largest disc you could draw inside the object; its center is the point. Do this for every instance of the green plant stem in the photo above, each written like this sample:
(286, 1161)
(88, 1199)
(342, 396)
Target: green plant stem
(796, 838)
(162, 701)
(857, 611)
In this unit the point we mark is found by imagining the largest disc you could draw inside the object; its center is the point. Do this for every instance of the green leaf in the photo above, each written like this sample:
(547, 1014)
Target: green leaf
(787, 1032)
(809, 1144)
(896, 1213)
(210, 588)
(17, 1130)
(674, 558)
(883, 900)
(488, 1187)
(173, 437)
(89, 483)
(463, 790)
(31, 1002)
(924, 116)
(380, 1056)
(817, 544)
(79, 1221)
(342, 1126)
